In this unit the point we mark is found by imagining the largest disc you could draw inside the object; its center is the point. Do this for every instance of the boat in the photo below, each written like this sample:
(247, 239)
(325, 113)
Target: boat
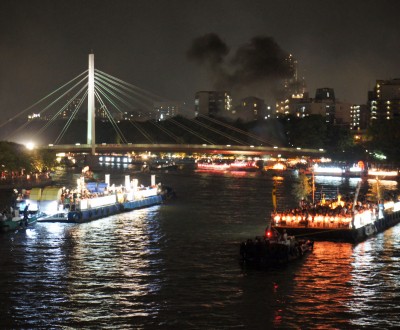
(162, 165)
(383, 173)
(16, 220)
(228, 165)
(273, 250)
(339, 170)
(93, 200)
(338, 220)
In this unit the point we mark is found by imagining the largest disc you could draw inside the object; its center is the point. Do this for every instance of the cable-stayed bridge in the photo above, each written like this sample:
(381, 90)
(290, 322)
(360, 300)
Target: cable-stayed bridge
(97, 112)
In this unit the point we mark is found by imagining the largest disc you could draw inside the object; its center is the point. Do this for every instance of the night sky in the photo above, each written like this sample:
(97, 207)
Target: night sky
(345, 45)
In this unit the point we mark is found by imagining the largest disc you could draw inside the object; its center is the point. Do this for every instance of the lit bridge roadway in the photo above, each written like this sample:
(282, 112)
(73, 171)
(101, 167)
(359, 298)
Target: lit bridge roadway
(188, 148)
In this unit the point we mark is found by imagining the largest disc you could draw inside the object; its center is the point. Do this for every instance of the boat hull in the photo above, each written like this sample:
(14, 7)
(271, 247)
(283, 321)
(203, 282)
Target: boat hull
(108, 210)
(264, 253)
(16, 224)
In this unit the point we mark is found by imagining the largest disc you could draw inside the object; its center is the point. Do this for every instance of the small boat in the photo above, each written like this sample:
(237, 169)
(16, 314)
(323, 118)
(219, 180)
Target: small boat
(17, 220)
(273, 250)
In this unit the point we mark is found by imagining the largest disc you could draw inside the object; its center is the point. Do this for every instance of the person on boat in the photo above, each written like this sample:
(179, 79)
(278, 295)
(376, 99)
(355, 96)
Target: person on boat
(26, 213)
(284, 236)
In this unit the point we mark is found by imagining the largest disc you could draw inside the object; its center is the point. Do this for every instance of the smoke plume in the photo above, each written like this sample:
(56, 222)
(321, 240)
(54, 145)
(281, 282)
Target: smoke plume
(208, 49)
(256, 68)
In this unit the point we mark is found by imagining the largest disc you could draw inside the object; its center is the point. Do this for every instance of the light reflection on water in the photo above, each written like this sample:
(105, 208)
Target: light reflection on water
(175, 266)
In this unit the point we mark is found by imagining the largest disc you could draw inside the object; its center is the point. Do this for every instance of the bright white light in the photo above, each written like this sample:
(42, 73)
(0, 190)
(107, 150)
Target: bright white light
(318, 169)
(356, 169)
(376, 172)
(30, 145)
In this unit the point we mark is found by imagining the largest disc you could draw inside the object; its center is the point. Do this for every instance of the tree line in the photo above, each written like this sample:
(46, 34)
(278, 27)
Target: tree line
(16, 159)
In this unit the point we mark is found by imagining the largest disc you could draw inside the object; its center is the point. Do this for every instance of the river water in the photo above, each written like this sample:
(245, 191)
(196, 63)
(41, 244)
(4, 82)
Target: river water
(175, 266)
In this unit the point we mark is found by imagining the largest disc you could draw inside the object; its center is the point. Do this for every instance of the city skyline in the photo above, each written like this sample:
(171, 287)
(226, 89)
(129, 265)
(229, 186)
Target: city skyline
(341, 45)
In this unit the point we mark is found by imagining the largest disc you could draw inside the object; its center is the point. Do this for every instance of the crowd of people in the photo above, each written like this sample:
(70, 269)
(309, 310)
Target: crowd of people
(328, 214)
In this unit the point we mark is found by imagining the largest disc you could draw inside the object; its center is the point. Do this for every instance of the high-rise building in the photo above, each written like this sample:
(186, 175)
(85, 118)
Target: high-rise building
(326, 98)
(294, 86)
(324, 104)
(293, 98)
(165, 110)
(384, 100)
(252, 108)
(325, 94)
(213, 103)
(359, 116)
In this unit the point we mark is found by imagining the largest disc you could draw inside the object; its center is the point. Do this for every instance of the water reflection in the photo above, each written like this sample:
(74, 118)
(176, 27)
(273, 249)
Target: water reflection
(175, 266)
(375, 263)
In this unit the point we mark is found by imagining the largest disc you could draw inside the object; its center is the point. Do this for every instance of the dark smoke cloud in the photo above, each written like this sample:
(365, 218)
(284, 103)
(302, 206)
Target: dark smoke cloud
(256, 68)
(260, 59)
(208, 49)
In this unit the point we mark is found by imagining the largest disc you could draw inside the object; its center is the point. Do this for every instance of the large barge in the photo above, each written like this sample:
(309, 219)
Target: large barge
(353, 227)
(91, 201)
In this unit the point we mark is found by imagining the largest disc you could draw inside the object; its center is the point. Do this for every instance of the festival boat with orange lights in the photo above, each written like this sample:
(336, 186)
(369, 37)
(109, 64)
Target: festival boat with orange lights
(338, 220)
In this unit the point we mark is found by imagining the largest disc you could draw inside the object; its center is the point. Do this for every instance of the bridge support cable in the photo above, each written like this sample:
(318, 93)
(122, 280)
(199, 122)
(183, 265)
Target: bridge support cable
(191, 131)
(141, 100)
(100, 88)
(142, 131)
(104, 89)
(59, 112)
(167, 132)
(42, 99)
(120, 99)
(126, 90)
(229, 137)
(66, 126)
(49, 106)
(184, 127)
(110, 118)
(255, 137)
(131, 87)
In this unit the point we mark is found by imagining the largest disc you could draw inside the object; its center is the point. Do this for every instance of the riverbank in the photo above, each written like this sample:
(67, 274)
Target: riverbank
(26, 182)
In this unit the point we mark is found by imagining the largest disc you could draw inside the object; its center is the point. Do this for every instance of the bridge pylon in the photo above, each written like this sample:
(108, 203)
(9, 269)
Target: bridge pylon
(91, 136)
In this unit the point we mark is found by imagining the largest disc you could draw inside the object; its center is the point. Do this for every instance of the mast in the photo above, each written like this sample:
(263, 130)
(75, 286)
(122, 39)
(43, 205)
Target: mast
(313, 188)
(355, 202)
(274, 196)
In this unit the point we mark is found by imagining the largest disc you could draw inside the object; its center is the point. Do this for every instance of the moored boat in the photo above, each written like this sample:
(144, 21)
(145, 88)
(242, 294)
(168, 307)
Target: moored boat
(15, 220)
